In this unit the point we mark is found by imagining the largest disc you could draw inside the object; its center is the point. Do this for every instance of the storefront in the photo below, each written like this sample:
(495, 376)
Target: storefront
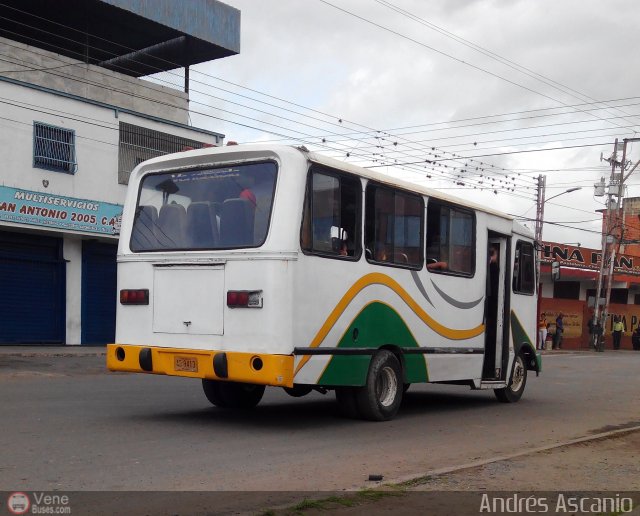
(574, 293)
(57, 268)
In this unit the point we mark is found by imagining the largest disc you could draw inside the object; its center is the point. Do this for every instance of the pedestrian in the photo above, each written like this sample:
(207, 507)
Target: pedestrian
(635, 338)
(618, 328)
(557, 338)
(542, 330)
(591, 327)
(598, 331)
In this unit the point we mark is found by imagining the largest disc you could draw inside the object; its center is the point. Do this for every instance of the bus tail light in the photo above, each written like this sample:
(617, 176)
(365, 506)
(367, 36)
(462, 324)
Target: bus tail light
(134, 297)
(244, 298)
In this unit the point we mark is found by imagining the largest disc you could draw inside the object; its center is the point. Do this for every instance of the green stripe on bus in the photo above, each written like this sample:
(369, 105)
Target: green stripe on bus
(375, 326)
(520, 337)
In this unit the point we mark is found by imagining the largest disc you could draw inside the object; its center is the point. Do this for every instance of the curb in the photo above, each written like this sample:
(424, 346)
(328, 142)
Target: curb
(416, 479)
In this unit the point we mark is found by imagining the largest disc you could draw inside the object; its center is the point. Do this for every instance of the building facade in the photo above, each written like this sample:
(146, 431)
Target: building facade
(72, 129)
(574, 293)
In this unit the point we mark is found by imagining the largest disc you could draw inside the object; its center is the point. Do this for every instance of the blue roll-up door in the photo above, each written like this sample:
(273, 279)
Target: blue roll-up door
(98, 292)
(33, 282)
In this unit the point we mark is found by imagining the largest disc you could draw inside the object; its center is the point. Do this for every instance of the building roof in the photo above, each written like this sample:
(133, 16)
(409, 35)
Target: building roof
(133, 37)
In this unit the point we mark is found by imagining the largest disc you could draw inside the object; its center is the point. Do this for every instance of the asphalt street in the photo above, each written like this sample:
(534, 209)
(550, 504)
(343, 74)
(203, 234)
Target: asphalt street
(68, 424)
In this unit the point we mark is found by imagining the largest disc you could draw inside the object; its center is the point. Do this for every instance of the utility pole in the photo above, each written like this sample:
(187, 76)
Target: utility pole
(542, 183)
(612, 233)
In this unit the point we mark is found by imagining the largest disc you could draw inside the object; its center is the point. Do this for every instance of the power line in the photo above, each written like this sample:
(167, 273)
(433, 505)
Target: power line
(475, 67)
(386, 159)
(294, 138)
(507, 62)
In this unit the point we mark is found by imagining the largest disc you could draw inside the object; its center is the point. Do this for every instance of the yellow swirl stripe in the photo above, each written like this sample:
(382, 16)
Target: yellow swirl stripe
(376, 278)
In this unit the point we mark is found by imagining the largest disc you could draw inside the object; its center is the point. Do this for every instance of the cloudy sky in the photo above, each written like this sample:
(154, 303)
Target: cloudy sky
(470, 96)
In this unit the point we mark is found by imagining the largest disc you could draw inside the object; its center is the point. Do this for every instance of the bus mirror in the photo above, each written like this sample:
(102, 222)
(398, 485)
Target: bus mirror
(555, 271)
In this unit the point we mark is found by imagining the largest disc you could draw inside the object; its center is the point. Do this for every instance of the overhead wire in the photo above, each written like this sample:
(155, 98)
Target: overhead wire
(492, 55)
(252, 118)
(445, 54)
(387, 161)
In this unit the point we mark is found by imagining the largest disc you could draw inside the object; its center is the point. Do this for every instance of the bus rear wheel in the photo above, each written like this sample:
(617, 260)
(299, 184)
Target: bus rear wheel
(379, 399)
(513, 392)
(232, 394)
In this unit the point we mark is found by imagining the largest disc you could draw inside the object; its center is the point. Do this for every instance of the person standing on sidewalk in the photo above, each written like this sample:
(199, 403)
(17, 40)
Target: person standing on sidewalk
(635, 338)
(618, 328)
(557, 338)
(542, 330)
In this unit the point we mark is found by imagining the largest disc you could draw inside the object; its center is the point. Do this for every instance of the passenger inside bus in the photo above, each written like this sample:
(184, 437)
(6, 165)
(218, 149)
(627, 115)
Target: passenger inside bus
(436, 255)
(491, 317)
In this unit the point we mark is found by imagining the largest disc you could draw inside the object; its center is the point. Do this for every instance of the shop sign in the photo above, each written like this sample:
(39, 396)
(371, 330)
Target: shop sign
(583, 258)
(56, 211)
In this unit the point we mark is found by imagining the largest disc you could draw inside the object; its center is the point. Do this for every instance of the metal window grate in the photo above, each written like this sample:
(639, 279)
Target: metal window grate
(138, 144)
(54, 148)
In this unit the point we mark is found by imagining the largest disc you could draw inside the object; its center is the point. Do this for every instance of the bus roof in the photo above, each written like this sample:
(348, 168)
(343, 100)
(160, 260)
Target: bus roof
(408, 185)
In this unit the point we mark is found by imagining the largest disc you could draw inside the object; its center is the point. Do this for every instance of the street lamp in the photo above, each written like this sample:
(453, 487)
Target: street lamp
(540, 220)
(540, 215)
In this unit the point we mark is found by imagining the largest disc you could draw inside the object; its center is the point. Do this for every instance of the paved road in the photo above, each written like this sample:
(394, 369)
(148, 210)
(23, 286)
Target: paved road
(67, 424)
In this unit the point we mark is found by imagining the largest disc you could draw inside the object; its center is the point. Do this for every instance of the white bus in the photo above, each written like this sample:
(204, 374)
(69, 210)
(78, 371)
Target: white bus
(250, 266)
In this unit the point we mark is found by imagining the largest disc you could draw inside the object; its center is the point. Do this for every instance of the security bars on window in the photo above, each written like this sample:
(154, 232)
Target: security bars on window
(54, 148)
(138, 144)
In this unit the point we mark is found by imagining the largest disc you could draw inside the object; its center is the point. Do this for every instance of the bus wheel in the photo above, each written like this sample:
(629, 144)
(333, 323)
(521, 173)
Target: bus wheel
(233, 394)
(211, 390)
(298, 391)
(379, 399)
(347, 403)
(513, 392)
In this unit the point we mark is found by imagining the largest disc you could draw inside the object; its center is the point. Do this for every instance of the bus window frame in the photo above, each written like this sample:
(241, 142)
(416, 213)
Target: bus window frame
(474, 237)
(414, 267)
(337, 174)
(513, 278)
(207, 166)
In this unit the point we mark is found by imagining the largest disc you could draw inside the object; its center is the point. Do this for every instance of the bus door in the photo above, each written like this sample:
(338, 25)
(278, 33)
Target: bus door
(494, 308)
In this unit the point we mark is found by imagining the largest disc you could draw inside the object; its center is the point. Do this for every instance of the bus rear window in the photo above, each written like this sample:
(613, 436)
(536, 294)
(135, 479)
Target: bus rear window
(218, 208)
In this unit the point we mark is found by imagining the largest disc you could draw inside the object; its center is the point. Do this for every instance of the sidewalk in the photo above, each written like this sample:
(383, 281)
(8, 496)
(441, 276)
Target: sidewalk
(52, 351)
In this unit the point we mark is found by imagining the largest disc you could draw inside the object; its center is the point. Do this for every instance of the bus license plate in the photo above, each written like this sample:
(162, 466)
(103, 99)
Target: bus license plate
(185, 364)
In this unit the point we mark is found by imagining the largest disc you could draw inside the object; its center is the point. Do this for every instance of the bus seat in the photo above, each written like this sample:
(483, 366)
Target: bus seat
(236, 222)
(172, 226)
(143, 235)
(400, 257)
(202, 227)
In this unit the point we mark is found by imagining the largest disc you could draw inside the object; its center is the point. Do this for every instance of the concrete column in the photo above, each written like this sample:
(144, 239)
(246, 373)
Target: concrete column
(72, 250)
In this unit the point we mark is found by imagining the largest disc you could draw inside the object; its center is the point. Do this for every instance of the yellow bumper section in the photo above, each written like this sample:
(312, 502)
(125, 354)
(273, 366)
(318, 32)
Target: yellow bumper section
(231, 366)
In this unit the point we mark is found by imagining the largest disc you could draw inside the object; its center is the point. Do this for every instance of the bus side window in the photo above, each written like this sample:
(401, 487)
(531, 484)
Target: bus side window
(331, 216)
(393, 228)
(524, 268)
(450, 239)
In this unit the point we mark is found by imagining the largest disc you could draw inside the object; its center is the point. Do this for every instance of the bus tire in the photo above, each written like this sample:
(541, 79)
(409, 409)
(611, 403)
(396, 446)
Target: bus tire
(298, 391)
(241, 395)
(379, 399)
(513, 391)
(211, 390)
(233, 395)
(347, 403)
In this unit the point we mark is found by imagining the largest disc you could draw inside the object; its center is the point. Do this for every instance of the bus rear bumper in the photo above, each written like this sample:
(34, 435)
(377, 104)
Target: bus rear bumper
(231, 366)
